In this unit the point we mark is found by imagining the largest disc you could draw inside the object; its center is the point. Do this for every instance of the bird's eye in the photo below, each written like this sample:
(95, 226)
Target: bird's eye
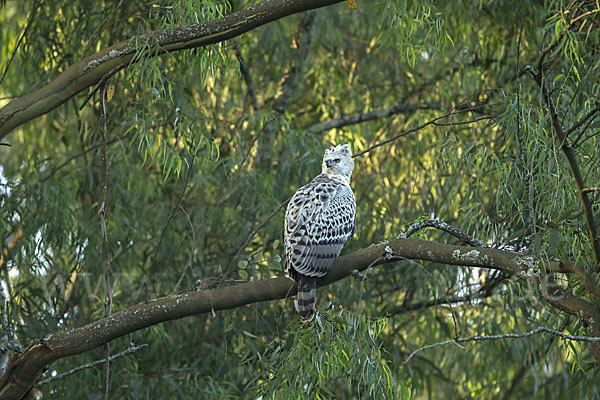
(337, 160)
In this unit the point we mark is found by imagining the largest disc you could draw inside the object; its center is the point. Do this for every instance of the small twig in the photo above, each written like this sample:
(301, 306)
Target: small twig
(544, 52)
(101, 83)
(583, 130)
(247, 77)
(571, 160)
(582, 121)
(239, 168)
(83, 153)
(465, 122)
(95, 33)
(400, 107)
(368, 116)
(185, 184)
(102, 211)
(529, 172)
(585, 139)
(251, 236)
(131, 349)
(188, 264)
(519, 113)
(586, 14)
(12, 56)
(505, 336)
(256, 138)
(301, 44)
(434, 302)
(8, 344)
(418, 128)
(444, 226)
(5, 144)
(582, 81)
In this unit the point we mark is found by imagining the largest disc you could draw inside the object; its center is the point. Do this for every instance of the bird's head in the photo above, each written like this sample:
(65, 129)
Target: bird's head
(338, 161)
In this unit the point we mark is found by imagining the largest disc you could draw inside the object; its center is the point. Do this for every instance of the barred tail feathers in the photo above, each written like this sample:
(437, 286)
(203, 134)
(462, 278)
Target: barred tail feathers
(305, 304)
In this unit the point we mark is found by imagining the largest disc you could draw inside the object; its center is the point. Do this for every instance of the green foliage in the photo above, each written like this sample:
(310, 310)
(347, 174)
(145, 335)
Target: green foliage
(414, 27)
(336, 355)
(170, 140)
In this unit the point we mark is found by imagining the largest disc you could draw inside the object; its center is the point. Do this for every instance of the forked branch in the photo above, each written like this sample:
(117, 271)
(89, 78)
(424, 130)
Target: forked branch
(24, 370)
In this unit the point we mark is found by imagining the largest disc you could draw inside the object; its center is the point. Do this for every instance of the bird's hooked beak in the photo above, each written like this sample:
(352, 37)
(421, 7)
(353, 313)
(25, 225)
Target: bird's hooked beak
(329, 163)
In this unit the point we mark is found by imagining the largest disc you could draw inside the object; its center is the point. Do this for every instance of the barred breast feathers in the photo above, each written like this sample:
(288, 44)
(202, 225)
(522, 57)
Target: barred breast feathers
(319, 220)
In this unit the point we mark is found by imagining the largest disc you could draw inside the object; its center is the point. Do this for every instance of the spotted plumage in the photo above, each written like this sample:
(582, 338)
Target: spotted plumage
(319, 219)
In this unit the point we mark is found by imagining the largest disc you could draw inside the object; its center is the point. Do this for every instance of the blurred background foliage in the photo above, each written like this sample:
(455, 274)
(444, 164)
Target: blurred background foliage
(205, 144)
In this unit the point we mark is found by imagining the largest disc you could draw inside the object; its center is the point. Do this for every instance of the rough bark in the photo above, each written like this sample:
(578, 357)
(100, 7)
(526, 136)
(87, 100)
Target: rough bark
(25, 368)
(91, 70)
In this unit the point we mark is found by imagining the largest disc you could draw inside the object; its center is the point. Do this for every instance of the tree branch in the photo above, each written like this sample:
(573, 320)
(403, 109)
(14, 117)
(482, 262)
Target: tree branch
(12, 56)
(424, 125)
(421, 305)
(582, 121)
(506, 336)
(8, 344)
(128, 351)
(443, 226)
(102, 205)
(245, 71)
(290, 82)
(557, 39)
(25, 368)
(45, 179)
(301, 43)
(587, 312)
(90, 70)
(177, 205)
(400, 108)
(572, 161)
(229, 268)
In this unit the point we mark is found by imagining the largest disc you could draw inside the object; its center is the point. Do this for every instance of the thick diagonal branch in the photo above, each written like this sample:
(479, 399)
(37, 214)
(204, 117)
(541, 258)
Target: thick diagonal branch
(91, 70)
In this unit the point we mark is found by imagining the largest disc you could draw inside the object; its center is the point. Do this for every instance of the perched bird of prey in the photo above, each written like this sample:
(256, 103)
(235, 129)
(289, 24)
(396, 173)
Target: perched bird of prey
(319, 219)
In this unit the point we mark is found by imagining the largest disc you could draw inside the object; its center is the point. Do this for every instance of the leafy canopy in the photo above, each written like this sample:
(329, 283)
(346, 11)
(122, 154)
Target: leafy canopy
(204, 144)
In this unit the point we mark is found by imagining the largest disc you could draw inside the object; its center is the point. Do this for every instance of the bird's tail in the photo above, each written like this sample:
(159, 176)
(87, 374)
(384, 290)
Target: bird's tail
(305, 304)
